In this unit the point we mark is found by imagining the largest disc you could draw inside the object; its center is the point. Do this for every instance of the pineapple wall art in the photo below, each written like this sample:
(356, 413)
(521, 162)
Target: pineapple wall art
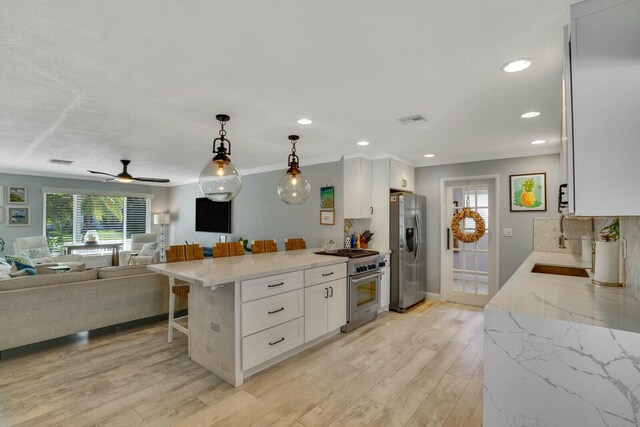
(528, 192)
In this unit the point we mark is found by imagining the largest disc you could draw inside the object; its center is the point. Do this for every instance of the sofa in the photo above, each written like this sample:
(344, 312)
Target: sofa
(41, 307)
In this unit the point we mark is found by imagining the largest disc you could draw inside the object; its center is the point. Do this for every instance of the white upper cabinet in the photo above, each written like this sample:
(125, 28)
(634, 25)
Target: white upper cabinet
(401, 176)
(603, 108)
(357, 188)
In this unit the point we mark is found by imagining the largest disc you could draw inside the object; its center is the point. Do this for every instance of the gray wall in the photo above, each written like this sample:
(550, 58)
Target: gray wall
(513, 250)
(34, 184)
(257, 213)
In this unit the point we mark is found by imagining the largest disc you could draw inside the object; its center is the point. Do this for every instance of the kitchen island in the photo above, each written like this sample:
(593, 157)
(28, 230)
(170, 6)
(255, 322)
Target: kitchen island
(248, 312)
(559, 350)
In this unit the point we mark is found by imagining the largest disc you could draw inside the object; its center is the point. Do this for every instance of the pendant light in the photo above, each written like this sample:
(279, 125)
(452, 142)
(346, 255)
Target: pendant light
(294, 188)
(220, 180)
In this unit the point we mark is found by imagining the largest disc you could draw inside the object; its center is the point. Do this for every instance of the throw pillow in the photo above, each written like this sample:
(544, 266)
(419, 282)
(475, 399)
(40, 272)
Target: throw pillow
(148, 249)
(5, 269)
(41, 254)
(22, 263)
(19, 272)
(76, 268)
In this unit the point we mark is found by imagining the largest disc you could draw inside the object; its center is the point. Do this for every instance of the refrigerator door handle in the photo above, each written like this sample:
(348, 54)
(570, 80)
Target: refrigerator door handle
(417, 237)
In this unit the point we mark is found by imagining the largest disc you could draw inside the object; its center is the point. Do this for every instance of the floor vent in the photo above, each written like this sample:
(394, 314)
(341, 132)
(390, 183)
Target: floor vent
(412, 120)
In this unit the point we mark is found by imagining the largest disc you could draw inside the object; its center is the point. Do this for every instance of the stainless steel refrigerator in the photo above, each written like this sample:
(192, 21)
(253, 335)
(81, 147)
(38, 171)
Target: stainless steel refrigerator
(408, 244)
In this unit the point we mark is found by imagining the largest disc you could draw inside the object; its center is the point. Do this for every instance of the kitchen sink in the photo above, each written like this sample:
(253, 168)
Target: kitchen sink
(560, 270)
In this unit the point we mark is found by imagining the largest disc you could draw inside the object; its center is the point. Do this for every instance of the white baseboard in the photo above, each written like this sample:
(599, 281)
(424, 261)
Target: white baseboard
(433, 296)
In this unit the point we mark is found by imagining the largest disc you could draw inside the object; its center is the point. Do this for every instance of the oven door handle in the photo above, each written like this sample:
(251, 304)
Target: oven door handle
(366, 276)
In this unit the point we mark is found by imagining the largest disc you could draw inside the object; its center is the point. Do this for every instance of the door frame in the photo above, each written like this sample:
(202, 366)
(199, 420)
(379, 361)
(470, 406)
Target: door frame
(444, 224)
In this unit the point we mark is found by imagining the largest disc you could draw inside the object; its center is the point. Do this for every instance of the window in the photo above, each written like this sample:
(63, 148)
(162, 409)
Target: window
(69, 216)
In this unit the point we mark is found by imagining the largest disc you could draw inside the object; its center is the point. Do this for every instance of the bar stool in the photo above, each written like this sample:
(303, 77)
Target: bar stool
(175, 254)
(295, 244)
(222, 250)
(263, 246)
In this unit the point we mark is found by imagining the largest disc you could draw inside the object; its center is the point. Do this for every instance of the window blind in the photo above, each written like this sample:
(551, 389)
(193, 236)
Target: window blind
(69, 216)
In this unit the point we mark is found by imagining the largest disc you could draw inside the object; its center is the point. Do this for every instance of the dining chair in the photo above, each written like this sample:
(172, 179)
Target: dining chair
(263, 246)
(295, 244)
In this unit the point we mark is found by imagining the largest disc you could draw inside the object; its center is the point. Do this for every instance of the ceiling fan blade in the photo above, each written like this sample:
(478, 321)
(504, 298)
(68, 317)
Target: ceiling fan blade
(108, 180)
(101, 173)
(151, 179)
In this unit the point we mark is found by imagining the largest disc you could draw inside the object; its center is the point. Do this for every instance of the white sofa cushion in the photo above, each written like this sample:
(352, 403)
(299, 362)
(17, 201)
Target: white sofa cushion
(47, 279)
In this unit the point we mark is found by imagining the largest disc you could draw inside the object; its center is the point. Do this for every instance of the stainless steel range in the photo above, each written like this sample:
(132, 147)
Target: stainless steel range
(364, 270)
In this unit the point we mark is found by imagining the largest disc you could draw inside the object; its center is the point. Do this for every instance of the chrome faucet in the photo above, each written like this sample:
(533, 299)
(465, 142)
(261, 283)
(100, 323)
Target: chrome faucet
(562, 237)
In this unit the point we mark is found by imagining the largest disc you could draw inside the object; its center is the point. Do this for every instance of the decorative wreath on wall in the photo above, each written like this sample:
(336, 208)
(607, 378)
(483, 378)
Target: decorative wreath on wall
(468, 237)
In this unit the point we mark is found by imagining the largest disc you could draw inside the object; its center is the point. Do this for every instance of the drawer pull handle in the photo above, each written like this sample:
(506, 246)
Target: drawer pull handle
(327, 274)
(326, 292)
(276, 311)
(331, 295)
(275, 284)
(276, 342)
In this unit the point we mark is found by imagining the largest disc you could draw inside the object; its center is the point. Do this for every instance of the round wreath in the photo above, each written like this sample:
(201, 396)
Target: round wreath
(470, 237)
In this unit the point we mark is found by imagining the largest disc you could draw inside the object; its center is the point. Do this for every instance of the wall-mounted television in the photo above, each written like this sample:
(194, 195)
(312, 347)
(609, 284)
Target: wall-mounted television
(214, 217)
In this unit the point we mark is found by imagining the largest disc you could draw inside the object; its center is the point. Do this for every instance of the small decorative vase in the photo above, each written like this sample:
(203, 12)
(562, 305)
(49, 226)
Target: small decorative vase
(91, 237)
(607, 265)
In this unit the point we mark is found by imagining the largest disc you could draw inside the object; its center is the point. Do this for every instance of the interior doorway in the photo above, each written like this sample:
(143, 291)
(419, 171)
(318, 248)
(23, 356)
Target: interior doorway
(469, 271)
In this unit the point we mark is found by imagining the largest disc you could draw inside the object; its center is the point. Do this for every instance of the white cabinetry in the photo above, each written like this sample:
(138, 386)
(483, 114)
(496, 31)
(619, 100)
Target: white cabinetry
(401, 176)
(357, 188)
(603, 102)
(325, 307)
(385, 285)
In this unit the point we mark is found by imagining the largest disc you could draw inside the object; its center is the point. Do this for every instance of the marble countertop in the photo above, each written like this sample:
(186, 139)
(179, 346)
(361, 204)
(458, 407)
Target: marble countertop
(211, 272)
(573, 299)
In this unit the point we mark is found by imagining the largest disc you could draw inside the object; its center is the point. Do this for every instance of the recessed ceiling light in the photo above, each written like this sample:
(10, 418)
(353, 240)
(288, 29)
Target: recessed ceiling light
(538, 141)
(363, 143)
(530, 114)
(429, 155)
(305, 121)
(515, 66)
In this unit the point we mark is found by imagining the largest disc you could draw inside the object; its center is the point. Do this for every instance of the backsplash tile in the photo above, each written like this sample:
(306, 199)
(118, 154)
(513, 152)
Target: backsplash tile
(546, 232)
(630, 231)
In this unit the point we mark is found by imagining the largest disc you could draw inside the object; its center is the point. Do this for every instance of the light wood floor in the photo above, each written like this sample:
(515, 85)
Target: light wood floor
(421, 368)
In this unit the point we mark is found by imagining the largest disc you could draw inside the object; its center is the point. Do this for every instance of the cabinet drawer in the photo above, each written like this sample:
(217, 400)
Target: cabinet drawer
(268, 344)
(272, 285)
(267, 312)
(313, 276)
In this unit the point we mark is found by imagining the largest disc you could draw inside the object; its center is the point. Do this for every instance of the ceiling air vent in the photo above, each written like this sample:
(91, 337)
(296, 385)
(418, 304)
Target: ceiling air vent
(61, 162)
(412, 120)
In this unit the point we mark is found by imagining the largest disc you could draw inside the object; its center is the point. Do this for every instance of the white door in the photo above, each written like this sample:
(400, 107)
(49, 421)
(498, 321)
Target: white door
(315, 311)
(337, 307)
(469, 270)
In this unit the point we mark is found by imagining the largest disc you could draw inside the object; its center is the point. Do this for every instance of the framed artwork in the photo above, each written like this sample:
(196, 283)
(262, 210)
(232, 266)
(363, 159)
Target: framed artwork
(326, 198)
(17, 194)
(528, 192)
(328, 217)
(18, 216)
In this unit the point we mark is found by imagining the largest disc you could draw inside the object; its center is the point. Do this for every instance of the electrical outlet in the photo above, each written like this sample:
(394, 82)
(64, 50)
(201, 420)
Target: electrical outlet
(507, 232)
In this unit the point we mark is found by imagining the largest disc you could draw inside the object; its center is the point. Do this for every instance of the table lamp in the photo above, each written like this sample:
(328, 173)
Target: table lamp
(162, 219)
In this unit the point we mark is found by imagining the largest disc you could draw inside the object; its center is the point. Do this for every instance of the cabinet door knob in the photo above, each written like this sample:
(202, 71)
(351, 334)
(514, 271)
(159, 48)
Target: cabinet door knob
(331, 287)
(371, 207)
(326, 292)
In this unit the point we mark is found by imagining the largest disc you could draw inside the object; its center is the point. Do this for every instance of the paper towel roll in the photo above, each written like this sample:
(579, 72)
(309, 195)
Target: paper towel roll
(607, 266)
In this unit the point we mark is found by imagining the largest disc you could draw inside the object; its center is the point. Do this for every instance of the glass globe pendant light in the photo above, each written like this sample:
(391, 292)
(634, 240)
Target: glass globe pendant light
(294, 188)
(220, 180)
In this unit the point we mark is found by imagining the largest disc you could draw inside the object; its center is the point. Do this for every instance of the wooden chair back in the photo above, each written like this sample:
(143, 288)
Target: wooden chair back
(264, 246)
(177, 253)
(295, 244)
(221, 250)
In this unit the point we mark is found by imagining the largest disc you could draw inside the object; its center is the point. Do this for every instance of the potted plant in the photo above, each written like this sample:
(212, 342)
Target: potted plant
(607, 264)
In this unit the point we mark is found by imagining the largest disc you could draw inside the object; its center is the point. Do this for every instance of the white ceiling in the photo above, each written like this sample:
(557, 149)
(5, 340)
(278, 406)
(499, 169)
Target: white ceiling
(96, 81)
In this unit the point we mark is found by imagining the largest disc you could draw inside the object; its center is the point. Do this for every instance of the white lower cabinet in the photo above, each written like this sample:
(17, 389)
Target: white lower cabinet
(385, 287)
(325, 308)
(268, 312)
(265, 345)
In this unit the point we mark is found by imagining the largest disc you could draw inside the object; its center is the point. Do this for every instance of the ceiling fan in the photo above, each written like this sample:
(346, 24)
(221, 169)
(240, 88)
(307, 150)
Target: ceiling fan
(124, 176)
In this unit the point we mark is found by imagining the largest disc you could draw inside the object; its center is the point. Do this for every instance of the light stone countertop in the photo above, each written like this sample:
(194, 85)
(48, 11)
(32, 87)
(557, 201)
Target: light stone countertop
(212, 272)
(573, 299)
